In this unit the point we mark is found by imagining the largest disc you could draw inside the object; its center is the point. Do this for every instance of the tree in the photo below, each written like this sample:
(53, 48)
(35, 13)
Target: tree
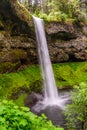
(57, 10)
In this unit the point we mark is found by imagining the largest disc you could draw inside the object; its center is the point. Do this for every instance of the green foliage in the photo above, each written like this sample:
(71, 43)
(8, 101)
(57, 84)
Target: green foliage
(76, 112)
(21, 98)
(58, 10)
(69, 74)
(14, 118)
(18, 85)
(53, 16)
(13, 83)
(62, 10)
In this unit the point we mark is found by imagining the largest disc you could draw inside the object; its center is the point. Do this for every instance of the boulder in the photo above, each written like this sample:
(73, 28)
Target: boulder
(32, 99)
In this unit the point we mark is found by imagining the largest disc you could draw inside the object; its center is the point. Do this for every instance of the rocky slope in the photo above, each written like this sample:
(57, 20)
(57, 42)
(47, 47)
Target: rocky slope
(66, 42)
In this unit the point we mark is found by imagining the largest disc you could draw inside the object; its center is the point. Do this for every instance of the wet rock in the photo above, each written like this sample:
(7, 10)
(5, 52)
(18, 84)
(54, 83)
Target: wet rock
(85, 30)
(55, 27)
(13, 56)
(59, 55)
(55, 114)
(66, 42)
(32, 99)
(81, 55)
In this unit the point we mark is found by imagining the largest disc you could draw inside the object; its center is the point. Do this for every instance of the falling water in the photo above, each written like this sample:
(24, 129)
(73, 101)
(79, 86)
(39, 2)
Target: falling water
(50, 90)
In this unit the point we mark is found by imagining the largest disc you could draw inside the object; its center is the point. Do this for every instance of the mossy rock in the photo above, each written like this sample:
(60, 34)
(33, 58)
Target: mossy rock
(15, 19)
(36, 86)
(12, 59)
(1, 25)
(13, 7)
(15, 92)
(8, 67)
(18, 54)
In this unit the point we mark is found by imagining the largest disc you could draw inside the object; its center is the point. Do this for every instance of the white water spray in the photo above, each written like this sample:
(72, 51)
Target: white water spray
(50, 90)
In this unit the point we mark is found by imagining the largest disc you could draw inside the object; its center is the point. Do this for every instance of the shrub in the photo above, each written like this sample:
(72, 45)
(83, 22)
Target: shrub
(76, 113)
(14, 118)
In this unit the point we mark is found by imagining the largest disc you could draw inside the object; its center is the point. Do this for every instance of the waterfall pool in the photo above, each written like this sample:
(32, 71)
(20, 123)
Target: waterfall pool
(53, 113)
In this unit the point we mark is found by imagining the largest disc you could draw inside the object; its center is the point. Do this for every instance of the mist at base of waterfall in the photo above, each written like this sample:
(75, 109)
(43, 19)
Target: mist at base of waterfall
(61, 102)
(54, 112)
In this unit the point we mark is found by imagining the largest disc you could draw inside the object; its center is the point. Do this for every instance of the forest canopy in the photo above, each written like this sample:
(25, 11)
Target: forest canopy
(57, 10)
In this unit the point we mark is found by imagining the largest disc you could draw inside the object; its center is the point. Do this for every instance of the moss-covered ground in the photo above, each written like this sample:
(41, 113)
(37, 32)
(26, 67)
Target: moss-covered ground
(18, 85)
(70, 74)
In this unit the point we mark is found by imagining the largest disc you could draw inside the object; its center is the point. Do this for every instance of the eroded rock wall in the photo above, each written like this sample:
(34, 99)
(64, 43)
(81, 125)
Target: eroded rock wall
(17, 37)
(66, 41)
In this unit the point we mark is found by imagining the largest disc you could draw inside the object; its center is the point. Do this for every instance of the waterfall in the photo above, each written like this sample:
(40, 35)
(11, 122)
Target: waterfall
(50, 90)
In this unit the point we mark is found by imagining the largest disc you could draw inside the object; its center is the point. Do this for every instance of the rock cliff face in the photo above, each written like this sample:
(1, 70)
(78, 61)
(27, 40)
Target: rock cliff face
(17, 38)
(66, 42)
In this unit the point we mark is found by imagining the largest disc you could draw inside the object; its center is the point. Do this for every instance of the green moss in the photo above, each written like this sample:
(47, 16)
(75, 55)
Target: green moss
(21, 99)
(8, 67)
(11, 84)
(23, 13)
(1, 25)
(17, 85)
(69, 74)
(18, 54)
